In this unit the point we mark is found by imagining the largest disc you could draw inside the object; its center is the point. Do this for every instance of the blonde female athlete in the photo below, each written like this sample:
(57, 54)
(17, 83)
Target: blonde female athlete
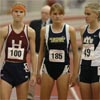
(54, 48)
(19, 39)
(90, 56)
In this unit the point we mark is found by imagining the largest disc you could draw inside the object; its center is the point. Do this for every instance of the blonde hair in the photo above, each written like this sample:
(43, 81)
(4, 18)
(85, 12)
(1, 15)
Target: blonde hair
(57, 6)
(95, 8)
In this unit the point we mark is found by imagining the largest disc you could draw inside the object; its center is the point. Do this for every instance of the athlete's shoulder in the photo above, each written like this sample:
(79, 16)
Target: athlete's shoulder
(31, 32)
(82, 28)
(71, 28)
(4, 31)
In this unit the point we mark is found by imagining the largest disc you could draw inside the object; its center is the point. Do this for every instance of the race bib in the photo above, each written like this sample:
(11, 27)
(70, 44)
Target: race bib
(15, 53)
(56, 56)
(88, 52)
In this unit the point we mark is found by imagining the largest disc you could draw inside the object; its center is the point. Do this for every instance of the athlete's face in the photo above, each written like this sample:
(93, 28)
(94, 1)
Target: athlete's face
(56, 16)
(90, 15)
(18, 15)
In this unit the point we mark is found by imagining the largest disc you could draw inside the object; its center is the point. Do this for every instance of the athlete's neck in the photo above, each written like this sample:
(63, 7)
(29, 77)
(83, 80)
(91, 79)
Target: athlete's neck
(17, 25)
(94, 25)
(57, 25)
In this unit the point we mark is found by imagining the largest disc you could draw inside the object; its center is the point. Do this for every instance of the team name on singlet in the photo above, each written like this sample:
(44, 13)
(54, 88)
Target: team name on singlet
(88, 49)
(57, 39)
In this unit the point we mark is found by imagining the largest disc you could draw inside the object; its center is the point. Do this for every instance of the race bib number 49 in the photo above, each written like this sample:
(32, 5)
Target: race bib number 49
(56, 56)
(16, 53)
(88, 52)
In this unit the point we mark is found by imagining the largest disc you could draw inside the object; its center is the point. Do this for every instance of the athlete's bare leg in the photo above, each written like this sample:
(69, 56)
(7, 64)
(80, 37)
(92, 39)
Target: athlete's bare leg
(63, 86)
(95, 90)
(22, 91)
(46, 87)
(6, 90)
(85, 90)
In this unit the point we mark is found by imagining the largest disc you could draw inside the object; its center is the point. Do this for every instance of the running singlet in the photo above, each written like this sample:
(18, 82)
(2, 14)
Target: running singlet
(17, 45)
(57, 46)
(91, 48)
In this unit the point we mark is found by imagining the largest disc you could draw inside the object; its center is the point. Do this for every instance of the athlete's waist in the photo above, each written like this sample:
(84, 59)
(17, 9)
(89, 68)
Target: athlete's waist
(52, 62)
(15, 61)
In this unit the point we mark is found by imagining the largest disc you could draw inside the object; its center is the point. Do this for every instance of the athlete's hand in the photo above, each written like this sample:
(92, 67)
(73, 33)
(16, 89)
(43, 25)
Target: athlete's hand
(39, 78)
(33, 80)
(73, 80)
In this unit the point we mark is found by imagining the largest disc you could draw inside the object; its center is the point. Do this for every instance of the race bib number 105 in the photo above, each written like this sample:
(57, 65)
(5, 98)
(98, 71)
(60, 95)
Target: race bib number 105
(16, 53)
(56, 56)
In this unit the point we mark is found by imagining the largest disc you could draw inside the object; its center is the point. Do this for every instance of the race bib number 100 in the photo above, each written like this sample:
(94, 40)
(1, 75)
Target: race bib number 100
(16, 53)
(56, 56)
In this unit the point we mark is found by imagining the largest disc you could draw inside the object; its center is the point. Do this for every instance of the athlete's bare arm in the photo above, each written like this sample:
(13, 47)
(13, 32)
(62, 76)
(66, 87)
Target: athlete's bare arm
(3, 34)
(75, 53)
(31, 34)
(42, 50)
(82, 29)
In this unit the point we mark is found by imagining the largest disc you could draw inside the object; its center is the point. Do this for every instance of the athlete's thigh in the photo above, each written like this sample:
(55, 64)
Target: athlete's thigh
(85, 89)
(22, 90)
(47, 84)
(63, 86)
(96, 90)
(5, 90)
